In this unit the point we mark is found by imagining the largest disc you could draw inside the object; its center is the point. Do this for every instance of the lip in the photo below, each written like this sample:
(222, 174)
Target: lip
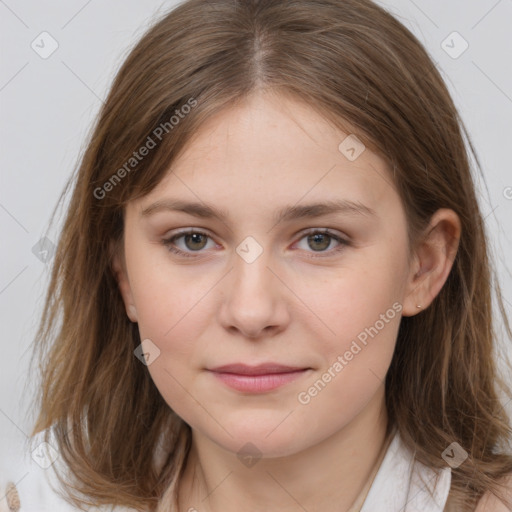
(257, 379)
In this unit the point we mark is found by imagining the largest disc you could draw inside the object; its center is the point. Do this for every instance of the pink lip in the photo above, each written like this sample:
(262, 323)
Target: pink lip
(257, 379)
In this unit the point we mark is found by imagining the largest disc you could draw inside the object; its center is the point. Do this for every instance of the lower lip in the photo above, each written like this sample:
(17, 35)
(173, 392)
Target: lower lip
(258, 383)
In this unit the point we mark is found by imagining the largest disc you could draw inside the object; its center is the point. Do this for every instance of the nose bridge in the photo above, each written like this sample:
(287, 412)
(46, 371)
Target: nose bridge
(251, 264)
(252, 279)
(254, 301)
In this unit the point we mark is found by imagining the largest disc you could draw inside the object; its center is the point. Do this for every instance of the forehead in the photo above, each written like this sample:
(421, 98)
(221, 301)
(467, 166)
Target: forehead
(274, 150)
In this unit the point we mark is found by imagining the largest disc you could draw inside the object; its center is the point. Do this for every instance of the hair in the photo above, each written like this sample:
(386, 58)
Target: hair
(357, 66)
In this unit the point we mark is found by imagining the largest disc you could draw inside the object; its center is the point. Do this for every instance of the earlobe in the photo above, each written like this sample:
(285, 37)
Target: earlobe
(433, 261)
(121, 276)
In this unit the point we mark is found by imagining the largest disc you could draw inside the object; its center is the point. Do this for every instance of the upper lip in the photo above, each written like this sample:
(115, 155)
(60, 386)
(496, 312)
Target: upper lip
(260, 369)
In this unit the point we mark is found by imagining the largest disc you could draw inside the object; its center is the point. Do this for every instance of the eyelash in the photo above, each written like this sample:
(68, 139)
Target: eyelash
(169, 242)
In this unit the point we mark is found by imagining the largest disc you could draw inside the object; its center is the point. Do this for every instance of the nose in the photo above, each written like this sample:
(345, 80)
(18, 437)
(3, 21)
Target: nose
(255, 303)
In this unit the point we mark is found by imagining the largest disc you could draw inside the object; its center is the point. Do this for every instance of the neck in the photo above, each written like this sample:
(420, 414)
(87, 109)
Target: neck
(332, 475)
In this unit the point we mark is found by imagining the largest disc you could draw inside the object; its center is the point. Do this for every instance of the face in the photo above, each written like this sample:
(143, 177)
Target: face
(314, 295)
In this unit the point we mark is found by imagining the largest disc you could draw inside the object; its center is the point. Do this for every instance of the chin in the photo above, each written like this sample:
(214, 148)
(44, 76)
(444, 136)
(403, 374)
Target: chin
(261, 446)
(269, 437)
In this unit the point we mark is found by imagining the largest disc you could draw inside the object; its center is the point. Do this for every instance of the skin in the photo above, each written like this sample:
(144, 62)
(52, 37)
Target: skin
(299, 303)
(491, 503)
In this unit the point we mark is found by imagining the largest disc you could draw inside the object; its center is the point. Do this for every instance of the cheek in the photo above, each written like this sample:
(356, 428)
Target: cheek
(364, 295)
(357, 349)
(170, 303)
(360, 309)
(166, 295)
(172, 315)
(358, 346)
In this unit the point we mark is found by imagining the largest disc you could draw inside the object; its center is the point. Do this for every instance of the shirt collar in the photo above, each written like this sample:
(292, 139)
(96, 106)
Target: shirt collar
(402, 483)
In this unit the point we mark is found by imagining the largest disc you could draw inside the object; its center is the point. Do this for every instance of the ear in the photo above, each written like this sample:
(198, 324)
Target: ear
(433, 259)
(121, 276)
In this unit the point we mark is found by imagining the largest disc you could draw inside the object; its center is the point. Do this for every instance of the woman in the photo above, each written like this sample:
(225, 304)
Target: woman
(273, 278)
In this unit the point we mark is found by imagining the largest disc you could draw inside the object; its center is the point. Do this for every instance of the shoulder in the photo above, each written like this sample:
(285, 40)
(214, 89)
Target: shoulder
(30, 484)
(491, 503)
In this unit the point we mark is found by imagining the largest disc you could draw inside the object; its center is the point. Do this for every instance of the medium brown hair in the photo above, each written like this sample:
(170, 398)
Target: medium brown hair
(354, 63)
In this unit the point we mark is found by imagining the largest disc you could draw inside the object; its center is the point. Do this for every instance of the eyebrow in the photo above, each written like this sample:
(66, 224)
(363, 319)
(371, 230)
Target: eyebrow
(287, 213)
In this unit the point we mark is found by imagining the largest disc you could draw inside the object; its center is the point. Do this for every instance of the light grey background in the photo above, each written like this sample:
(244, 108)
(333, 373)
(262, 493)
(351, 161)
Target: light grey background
(47, 107)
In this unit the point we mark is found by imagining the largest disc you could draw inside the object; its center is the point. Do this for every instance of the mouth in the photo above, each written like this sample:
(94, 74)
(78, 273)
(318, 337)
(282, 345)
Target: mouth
(257, 379)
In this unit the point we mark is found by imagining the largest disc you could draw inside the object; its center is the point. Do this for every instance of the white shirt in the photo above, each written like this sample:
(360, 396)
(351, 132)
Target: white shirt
(400, 484)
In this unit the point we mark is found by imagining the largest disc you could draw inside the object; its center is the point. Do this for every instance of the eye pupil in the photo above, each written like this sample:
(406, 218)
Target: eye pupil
(318, 237)
(195, 239)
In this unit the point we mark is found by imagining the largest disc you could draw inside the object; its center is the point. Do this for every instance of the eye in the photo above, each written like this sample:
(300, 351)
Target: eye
(319, 240)
(193, 240)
